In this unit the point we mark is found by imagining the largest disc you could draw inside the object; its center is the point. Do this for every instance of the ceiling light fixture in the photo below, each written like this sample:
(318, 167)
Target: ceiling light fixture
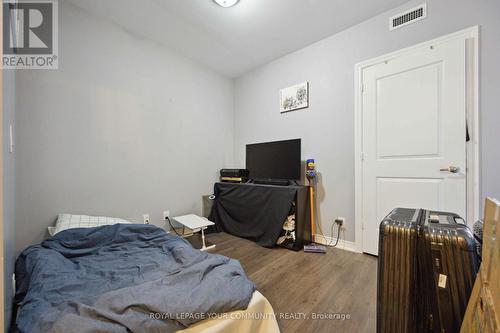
(226, 3)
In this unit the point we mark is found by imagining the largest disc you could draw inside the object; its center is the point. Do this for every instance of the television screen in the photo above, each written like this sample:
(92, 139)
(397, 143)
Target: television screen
(274, 160)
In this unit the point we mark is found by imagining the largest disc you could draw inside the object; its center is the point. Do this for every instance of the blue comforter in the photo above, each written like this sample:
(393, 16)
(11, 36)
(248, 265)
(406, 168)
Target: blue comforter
(123, 278)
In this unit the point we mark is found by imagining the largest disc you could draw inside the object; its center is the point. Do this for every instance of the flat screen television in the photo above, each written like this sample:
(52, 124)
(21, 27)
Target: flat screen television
(274, 160)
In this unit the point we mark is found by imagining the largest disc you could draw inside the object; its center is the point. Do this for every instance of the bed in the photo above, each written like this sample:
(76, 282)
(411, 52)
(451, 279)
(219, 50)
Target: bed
(133, 278)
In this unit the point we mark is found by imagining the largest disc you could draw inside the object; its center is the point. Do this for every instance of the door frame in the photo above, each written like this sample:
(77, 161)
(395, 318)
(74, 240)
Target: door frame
(470, 36)
(2, 261)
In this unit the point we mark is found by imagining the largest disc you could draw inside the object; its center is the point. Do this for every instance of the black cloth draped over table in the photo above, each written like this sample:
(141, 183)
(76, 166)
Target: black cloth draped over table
(251, 211)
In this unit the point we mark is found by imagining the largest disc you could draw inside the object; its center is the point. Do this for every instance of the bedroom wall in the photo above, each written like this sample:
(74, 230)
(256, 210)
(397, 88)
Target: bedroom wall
(8, 192)
(124, 127)
(327, 127)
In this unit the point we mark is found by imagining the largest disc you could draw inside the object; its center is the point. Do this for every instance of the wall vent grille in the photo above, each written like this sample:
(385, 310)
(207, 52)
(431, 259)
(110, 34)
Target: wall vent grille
(408, 17)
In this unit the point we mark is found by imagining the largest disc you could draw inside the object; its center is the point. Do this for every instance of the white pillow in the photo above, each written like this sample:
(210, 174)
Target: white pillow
(51, 230)
(70, 221)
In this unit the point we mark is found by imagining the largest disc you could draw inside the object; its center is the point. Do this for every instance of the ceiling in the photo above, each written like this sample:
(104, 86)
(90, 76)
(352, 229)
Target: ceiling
(233, 41)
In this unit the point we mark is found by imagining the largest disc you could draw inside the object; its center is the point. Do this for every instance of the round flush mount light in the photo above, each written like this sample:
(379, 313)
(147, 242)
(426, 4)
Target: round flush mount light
(226, 3)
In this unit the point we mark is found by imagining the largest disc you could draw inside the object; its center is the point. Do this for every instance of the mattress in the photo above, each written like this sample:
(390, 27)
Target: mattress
(259, 317)
(122, 278)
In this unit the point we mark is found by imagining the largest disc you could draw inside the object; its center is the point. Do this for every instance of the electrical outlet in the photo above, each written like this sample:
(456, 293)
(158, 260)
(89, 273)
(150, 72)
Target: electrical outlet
(146, 218)
(340, 220)
(166, 214)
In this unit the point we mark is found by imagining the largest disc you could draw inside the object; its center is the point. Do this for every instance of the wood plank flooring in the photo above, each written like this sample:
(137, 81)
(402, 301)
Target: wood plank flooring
(338, 282)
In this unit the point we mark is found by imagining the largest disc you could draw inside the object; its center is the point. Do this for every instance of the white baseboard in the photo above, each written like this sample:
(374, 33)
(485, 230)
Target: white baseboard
(342, 245)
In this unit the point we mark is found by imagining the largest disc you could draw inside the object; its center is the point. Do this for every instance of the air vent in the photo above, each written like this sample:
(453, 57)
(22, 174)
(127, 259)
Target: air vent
(408, 17)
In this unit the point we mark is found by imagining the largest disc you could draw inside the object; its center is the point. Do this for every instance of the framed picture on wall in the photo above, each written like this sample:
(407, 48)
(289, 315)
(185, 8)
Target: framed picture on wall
(294, 98)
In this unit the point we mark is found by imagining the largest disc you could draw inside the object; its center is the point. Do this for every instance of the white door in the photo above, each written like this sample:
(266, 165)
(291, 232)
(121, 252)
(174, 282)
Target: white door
(414, 109)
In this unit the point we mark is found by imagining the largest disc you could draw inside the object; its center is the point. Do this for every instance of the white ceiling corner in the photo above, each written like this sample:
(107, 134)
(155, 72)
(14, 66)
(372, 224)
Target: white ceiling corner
(233, 41)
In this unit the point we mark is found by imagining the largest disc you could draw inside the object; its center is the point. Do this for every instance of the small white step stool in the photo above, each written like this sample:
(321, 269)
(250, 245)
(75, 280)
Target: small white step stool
(194, 222)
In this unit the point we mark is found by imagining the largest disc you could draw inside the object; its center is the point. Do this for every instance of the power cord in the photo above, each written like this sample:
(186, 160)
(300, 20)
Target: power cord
(338, 234)
(318, 225)
(172, 227)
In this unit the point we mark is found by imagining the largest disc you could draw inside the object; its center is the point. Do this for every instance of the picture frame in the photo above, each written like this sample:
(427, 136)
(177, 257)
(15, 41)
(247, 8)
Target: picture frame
(294, 98)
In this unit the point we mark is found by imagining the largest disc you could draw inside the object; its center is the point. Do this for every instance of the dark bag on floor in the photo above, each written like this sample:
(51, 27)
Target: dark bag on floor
(477, 230)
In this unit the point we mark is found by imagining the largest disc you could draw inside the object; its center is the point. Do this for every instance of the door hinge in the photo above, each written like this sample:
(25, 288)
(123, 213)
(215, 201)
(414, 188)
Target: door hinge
(362, 87)
(362, 156)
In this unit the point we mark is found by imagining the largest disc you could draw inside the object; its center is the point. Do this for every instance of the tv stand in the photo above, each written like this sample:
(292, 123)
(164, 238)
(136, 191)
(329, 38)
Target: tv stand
(268, 181)
(257, 212)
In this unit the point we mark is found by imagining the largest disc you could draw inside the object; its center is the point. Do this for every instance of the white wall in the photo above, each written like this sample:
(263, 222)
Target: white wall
(327, 127)
(124, 127)
(8, 192)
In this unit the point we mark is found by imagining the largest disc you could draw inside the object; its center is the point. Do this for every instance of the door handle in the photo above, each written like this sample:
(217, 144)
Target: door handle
(451, 168)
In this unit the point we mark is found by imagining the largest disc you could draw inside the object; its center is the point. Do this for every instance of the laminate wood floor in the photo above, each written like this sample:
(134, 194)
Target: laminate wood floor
(338, 282)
